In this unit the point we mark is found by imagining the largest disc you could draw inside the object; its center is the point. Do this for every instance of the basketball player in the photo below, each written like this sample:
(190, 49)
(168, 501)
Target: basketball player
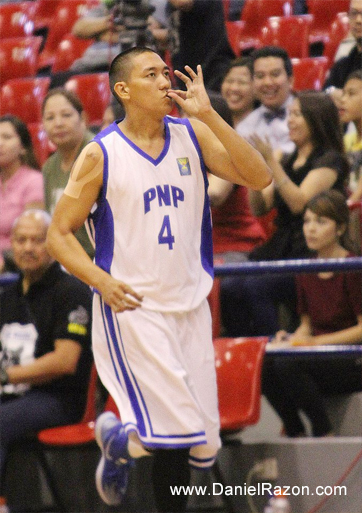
(141, 187)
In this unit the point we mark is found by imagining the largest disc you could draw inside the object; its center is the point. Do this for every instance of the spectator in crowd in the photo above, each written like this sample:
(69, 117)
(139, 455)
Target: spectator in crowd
(45, 355)
(98, 24)
(104, 24)
(236, 231)
(351, 111)
(113, 112)
(64, 123)
(237, 89)
(299, 383)
(273, 82)
(21, 184)
(198, 36)
(353, 61)
(318, 163)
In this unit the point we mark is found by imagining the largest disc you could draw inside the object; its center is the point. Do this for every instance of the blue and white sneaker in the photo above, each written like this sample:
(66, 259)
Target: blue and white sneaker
(113, 468)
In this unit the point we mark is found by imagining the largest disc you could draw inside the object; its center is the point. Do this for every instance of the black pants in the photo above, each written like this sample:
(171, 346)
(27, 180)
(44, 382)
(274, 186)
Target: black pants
(293, 383)
(249, 304)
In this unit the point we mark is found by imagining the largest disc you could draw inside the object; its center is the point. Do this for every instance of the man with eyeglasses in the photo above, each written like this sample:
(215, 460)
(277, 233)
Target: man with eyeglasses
(353, 61)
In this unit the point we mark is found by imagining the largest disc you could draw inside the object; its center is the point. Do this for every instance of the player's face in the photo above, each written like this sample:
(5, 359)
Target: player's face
(321, 233)
(237, 89)
(28, 244)
(63, 124)
(149, 82)
(299, 131)
(11, 148)
(351, 102)
(272, 85)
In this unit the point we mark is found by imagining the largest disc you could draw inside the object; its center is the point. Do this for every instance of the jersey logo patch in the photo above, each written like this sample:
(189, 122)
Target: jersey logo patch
(184, 166)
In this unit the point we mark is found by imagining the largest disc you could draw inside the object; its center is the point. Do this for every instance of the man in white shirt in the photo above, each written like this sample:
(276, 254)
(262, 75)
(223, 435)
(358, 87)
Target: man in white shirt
(273, 81)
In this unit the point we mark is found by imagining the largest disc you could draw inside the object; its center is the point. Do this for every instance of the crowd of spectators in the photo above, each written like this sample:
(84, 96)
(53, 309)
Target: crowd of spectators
(312, 142)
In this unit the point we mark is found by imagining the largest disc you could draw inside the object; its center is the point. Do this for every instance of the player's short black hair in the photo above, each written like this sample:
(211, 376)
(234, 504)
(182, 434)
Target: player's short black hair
(121, 65)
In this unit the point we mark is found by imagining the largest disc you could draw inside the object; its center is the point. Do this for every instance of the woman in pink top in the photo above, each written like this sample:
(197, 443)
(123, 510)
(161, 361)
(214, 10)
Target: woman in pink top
(21, 185)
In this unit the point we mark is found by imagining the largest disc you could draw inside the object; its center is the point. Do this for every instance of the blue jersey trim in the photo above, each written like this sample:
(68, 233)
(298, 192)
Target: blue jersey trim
(103, 221)
(108, 318)
(143, 154)
(202, 460)
(207, 260)
(114, 340)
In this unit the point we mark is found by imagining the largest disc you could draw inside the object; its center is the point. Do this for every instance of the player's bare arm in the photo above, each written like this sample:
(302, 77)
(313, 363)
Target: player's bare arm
(225, 152)
(70, 214)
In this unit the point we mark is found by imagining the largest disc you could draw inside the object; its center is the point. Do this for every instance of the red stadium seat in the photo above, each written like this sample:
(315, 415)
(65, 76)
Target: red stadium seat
(19, 57)
(16, 20)
(43, 148)
(337, 32)
(255, 14)
(309, 73)
(94, 93)
(238, 369)
(44, 12)
(71, 436)
(234, 30)
(69, 49)
(66, 14)
(288, 32)
(238, 364)
(324, 13)
(23, 97)
(226, 8)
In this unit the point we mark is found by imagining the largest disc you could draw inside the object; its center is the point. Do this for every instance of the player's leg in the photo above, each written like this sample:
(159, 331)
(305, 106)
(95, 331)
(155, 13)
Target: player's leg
(200, 360)
(170, 470)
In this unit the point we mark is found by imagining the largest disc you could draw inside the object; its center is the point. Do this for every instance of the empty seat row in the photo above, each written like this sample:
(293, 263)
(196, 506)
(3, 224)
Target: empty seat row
(293, 33)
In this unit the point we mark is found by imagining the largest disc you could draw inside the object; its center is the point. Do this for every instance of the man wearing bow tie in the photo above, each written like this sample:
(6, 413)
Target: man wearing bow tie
(273, 81)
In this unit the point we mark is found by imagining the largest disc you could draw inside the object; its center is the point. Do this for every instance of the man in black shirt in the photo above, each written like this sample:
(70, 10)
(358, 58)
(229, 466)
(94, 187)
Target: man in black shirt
(198, 36)
(45, 353)
(353, 61)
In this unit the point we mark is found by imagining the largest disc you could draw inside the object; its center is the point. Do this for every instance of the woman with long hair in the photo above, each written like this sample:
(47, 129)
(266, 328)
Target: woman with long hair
(317, 164)
(298, 383)
(21, 184)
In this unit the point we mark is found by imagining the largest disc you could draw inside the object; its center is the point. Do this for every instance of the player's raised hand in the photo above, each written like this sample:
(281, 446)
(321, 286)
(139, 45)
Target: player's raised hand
(195, 100)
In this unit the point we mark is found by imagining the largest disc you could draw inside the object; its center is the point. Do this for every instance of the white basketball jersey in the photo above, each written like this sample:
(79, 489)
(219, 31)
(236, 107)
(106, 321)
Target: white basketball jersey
(152, 225)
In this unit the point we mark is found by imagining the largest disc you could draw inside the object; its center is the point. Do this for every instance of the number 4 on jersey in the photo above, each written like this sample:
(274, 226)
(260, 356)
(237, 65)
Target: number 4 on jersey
(165, 236)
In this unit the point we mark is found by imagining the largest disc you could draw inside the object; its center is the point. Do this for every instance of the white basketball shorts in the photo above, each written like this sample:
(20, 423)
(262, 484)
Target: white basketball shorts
(160, 370)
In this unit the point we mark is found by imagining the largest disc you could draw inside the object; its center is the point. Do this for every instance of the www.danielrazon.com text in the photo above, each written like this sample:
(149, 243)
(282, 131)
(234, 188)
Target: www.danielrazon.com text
(257, 490)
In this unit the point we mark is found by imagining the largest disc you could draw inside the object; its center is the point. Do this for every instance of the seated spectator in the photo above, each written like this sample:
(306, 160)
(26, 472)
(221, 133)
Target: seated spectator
(104, 24)
(64, 123)
(297, 383)
(351, 111)
(237, 89)
(236, 231)
(353, 61)
(97, 24)
(113, 112)
(45, 354)
(318, 163)
(198, 36)
(21, 184)
(272, 83)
